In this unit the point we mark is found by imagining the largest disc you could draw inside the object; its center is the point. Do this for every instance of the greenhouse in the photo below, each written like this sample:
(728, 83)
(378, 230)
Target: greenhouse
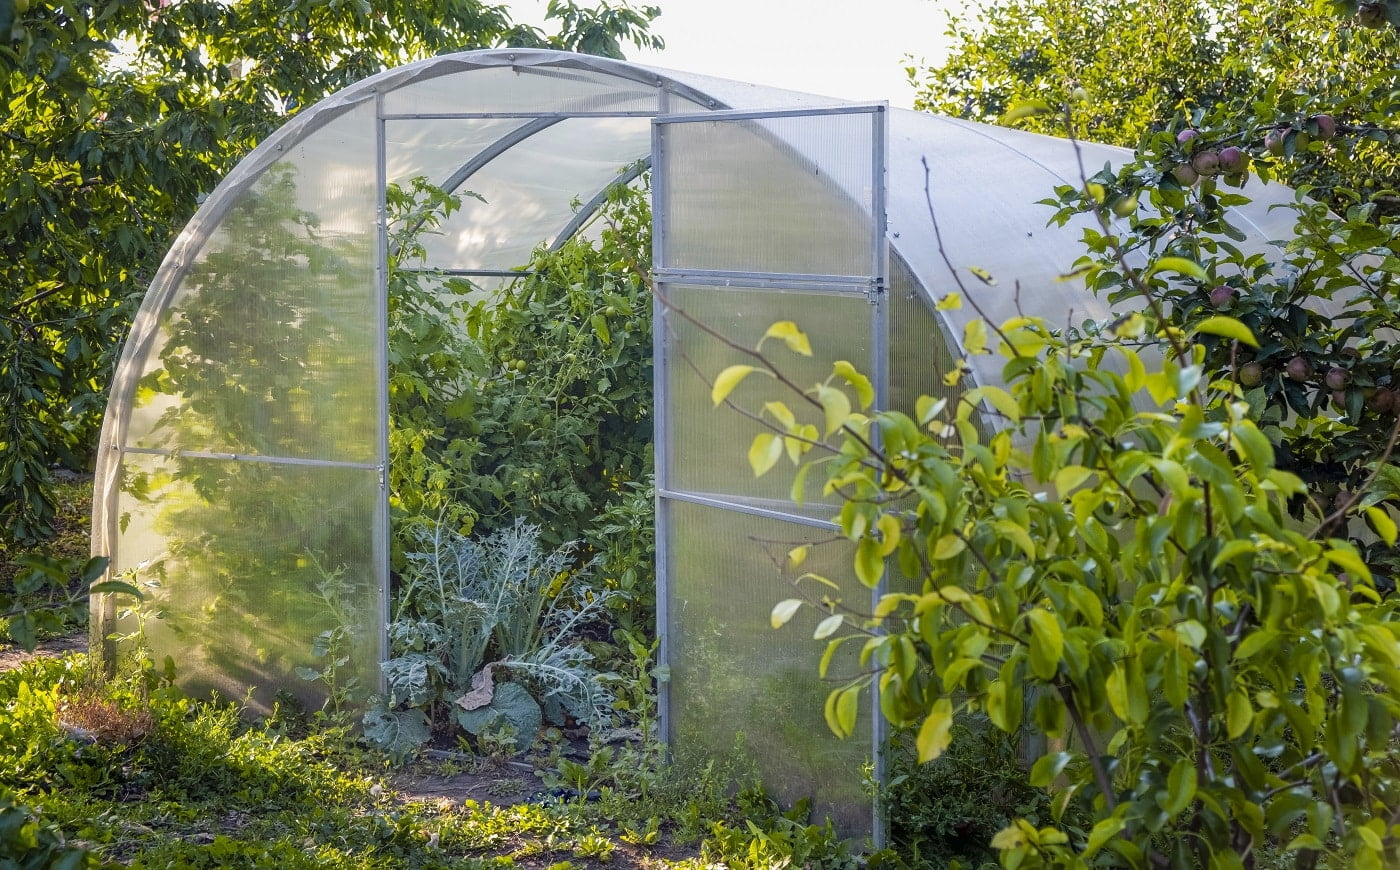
(256, 371)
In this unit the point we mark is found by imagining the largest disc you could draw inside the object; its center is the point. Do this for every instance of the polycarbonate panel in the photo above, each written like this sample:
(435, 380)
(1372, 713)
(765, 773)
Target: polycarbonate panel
(708, 446)
(738, 685)
(919, 357)
(791, 194)
(522, 89)
(527, 194)
(269, 346)
(244, 564)
(436, 148)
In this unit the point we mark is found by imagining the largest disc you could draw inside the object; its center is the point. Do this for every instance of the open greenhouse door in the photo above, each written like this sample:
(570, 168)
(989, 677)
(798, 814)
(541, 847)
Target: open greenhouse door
(760, 217)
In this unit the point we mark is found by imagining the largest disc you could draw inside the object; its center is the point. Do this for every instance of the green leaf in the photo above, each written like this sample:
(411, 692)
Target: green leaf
(1227, 327)
(1047, 643)
(937, 731)
(1102, 832)
(1179, 265)
(116, 587)
(1255, 641)
(1181, 787)
(765, 452)
(949, 302)
(1239, 713)
(727, 381)
(784, 611)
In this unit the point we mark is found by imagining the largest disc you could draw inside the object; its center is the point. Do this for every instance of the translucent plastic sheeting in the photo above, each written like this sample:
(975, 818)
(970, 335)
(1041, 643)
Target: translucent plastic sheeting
(526, 195)
(919, 356)
(436, 148)
(740, 689)
(268, 345)
(522, 89)
(787, 194)
(249, 570)
(708, 447)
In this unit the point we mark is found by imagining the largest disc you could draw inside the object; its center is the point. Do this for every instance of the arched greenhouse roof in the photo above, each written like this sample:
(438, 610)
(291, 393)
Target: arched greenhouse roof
(243, 465)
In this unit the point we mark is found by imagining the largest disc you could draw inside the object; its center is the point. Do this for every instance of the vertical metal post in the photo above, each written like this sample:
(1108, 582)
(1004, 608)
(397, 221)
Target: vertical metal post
(381, 277)
(880, 377)
(660, 424)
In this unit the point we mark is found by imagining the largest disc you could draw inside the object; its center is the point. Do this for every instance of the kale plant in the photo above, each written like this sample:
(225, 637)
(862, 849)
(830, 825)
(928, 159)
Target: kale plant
(488, 634)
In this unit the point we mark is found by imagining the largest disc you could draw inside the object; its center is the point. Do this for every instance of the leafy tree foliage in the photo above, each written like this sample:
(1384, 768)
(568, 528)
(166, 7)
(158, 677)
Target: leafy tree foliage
(1134, 67)
(119, 116)
(1117, 558)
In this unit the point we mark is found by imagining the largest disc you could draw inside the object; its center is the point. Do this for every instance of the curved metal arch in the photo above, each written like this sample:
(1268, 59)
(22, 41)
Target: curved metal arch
(590, 208)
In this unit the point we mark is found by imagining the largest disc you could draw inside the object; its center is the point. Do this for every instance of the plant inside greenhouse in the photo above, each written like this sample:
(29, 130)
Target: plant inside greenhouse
(521, 456)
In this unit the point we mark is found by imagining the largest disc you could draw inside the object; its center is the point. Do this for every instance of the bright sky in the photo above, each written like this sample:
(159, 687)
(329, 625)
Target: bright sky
(852, 49)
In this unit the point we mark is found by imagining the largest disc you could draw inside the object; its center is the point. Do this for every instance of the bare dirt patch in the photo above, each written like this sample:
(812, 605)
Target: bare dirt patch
(12, 657)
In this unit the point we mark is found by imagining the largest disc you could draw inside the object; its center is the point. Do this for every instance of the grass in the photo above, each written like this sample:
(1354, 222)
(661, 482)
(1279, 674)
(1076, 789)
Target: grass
(137, 774)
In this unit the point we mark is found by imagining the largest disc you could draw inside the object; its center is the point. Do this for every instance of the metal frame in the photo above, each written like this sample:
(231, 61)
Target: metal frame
(381, 277)
(873, 285)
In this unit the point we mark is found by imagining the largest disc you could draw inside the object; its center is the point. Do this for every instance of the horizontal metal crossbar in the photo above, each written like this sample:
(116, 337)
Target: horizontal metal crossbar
(246, 457)
(752, 508)
(766, 280)
(766, 114)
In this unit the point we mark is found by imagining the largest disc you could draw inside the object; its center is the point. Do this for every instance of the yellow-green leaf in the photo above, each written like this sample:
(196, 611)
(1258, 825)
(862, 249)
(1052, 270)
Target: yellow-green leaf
(975, 337)
(1179, 265)
(727, 381)
(1104, 831)
(1227, 327)
(783, 611)
(1047, 643)
(869, 564)
(1383, 524)
(846, 707)
(1117, 689)
(948, 546)
(827, 627)
(1238, 713)
(765, 452)
(890, 529)
(794, 338)
(797, 555)
(781, 412)
(983, 275)
(1344, 557)
(1181, 786)
(936, 732)
(1070, 477)
(998, 398)
(865, 392)
(950, 302)
(835, 405)
(1024, 109)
